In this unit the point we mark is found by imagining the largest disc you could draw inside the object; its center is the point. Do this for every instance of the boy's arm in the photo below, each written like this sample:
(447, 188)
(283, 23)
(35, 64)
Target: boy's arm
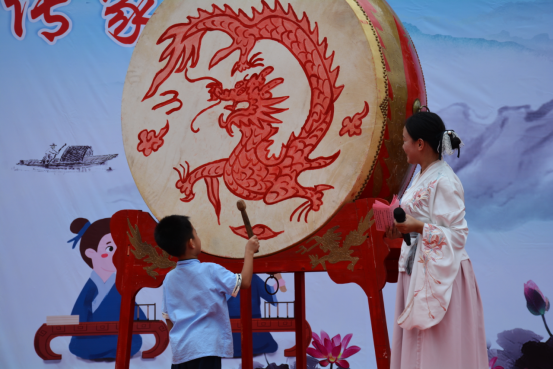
(247, 270)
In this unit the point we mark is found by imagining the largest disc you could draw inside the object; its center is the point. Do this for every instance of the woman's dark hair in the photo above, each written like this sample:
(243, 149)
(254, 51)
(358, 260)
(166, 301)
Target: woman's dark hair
(172, 234)
(92, 236)
(430, 128)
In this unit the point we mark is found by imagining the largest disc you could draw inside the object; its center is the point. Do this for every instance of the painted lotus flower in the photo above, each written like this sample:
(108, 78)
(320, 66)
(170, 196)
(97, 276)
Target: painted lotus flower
(536, 302)
(332, 351)
(492, 364)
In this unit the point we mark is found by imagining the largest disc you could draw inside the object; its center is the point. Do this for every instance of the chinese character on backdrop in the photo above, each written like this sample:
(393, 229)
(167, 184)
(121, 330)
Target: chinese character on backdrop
(18, 10)
(43, 10)
(125, 19)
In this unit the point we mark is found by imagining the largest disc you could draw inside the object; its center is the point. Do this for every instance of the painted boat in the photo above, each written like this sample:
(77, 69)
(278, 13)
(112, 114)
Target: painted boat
(74, 157)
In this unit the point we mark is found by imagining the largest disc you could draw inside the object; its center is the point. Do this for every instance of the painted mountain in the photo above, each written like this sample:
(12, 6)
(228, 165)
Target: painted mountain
(505, 166)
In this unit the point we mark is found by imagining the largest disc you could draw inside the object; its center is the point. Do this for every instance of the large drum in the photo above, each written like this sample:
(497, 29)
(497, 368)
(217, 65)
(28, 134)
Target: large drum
(295, 107)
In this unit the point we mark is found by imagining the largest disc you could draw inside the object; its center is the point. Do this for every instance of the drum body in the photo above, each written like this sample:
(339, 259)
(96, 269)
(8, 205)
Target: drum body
(296, 107)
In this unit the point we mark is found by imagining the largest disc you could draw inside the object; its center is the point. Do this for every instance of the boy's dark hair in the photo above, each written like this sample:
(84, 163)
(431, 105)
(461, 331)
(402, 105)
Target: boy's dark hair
(92, 236)
(172, 234)
(430, 127)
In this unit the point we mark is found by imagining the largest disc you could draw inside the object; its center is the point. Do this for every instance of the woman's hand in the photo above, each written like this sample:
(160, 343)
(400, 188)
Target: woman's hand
(410, 225)
(393, 233)
(282, 282)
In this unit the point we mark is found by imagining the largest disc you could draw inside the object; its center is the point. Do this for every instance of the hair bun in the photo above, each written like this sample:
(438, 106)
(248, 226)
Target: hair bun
(455, 142)
(77, 225)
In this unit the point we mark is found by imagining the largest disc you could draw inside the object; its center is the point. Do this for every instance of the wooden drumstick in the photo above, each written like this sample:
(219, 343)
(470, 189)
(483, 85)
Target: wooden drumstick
(241, 205)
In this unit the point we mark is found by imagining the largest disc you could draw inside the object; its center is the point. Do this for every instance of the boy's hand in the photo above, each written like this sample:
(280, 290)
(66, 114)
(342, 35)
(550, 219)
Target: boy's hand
(252, 245)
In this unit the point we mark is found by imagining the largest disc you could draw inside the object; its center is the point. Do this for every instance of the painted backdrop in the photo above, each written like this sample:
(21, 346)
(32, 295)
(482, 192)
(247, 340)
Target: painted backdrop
(488, 67)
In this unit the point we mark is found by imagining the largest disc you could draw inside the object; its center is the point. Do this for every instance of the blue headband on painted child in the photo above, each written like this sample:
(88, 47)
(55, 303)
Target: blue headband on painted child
(79, 235)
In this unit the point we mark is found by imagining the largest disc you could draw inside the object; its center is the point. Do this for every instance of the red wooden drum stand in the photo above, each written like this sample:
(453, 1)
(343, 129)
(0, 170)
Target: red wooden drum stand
(341, 150)
(348, 248)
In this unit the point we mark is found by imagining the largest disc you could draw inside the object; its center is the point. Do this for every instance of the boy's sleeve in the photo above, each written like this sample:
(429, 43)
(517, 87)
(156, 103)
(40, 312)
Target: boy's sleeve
(228, 282)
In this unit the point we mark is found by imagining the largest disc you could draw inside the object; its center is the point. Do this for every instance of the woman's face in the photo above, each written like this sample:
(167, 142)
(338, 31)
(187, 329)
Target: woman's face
(102, 258)
(411, 148)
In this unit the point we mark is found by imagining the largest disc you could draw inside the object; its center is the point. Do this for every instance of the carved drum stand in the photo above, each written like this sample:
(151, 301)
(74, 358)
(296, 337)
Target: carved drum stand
(296, 107)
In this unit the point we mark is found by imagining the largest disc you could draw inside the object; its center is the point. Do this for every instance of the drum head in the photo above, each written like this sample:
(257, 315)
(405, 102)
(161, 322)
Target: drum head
(276, 104)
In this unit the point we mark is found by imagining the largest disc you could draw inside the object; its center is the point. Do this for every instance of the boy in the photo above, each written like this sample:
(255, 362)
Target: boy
(194, 297)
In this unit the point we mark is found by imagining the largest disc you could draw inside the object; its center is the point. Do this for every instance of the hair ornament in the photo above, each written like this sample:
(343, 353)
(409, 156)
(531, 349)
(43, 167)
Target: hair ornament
(78, 237)
(445, 147)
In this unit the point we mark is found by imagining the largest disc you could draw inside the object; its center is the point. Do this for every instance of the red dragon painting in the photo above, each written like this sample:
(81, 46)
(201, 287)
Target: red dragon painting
(250, 172)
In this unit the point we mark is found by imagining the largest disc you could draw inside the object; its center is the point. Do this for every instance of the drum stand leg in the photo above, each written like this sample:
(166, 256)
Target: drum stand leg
(246, 322)
(299, 315)
(380, 330)
(124, 341)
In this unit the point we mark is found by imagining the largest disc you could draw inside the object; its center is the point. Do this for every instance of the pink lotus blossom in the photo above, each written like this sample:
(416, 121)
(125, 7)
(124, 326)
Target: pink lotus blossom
(332, 351)
(536, 302)
(492, 364)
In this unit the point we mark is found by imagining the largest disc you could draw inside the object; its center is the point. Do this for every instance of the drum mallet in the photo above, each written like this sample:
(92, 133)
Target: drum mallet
(241, 205)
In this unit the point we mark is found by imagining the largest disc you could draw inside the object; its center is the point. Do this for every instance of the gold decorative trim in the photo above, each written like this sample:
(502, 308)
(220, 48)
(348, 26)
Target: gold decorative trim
(383, 105)
(143, 250)
(330, 242)
(416, 106)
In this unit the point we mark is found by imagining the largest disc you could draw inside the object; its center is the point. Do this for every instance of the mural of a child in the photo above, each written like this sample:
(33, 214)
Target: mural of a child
(99, 300)
(263, 342)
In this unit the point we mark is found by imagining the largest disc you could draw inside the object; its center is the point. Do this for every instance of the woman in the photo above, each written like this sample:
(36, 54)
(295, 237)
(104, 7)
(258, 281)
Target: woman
(439, 315)
(99, 300)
